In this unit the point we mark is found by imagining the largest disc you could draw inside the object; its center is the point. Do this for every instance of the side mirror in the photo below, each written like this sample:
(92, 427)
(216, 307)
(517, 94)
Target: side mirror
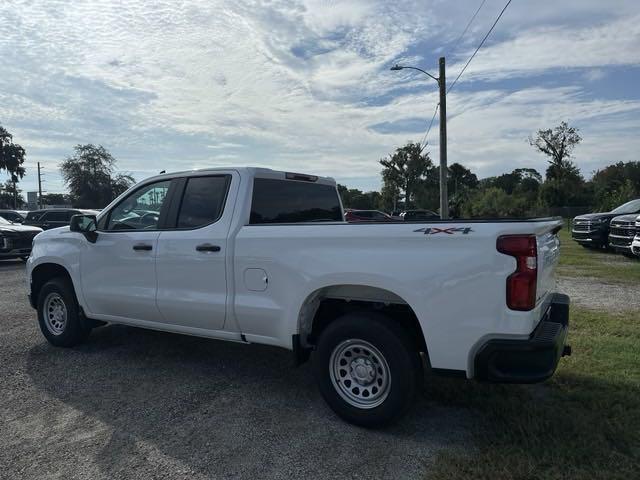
(85, 224)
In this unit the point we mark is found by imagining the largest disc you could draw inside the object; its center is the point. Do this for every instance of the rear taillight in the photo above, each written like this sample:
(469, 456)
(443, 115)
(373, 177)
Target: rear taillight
(521, 284)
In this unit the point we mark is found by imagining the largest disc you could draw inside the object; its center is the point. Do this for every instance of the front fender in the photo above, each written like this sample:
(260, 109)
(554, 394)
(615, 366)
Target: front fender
(58, 247)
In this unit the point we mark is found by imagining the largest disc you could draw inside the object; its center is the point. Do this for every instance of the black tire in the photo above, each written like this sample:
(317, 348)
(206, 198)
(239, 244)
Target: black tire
(402, 360)
(56, 292)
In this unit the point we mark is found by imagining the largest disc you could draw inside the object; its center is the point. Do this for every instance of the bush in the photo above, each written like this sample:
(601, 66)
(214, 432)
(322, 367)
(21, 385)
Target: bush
(495, 202)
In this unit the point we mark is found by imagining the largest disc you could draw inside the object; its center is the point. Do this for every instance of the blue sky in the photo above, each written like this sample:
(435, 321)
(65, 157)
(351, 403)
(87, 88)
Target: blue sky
(305, 85)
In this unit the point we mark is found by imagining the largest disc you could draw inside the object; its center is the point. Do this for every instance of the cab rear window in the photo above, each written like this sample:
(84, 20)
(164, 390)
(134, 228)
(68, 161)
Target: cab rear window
(291, 201)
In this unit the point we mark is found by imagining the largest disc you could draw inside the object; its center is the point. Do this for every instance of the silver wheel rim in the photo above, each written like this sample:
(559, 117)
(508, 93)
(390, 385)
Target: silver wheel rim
(360, 373)
(55, 313)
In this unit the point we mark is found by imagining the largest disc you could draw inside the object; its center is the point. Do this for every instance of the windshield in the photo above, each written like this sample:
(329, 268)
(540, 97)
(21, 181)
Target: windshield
(630, 207)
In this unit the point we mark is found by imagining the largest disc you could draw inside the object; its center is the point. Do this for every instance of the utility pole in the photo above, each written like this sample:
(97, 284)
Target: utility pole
(39, 188)
(442, 83)
(444, 199)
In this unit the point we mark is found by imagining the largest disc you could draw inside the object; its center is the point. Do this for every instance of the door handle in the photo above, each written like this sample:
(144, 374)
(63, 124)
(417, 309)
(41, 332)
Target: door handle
(142, 246)
(207, 247)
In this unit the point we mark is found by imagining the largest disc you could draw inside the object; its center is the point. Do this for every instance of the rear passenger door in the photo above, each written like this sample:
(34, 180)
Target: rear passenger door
(191, 262)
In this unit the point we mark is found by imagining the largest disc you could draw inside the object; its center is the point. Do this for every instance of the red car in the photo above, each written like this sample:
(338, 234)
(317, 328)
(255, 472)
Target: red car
(366, 216)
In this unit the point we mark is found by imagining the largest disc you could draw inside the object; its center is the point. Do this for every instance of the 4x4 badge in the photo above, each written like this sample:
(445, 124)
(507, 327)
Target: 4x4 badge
(449, 231)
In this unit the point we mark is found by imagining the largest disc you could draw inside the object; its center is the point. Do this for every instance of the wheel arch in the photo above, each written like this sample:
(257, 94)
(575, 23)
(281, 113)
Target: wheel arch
(325, 304)
(44, 272)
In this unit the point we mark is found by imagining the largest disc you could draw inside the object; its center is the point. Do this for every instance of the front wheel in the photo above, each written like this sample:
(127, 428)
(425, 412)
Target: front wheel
(59, 315)
(367, 369)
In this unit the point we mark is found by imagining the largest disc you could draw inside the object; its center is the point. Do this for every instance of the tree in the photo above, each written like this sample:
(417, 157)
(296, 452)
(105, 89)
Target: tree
(460, 177)
(558, 144)
(612, 182)
(405, 170)
(11, 160)
(56, 199)
(10, 195)
(354, 198)
(495, 202)
(389, 197)
(89, 175)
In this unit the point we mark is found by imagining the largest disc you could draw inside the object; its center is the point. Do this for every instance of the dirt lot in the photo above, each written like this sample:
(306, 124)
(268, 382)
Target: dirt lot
(139, 404)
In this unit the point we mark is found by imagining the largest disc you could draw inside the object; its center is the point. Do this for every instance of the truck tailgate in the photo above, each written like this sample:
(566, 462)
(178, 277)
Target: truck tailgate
(548, 256)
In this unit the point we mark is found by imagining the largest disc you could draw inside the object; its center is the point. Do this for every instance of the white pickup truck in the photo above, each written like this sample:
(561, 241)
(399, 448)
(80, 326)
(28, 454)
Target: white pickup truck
(254, 255)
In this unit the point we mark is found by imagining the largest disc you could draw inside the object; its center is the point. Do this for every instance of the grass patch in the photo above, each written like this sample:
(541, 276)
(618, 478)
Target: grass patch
(583, 423)
(577, 261)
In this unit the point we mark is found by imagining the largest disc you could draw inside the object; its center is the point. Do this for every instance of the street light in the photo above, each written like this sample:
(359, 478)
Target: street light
(444, 202)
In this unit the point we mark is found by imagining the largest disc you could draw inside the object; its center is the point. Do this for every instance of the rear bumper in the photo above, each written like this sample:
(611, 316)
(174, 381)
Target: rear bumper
(532, 360)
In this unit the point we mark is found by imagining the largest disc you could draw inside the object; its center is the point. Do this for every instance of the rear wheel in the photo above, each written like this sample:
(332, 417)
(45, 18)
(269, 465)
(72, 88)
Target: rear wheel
(58, 314)
(367, 369)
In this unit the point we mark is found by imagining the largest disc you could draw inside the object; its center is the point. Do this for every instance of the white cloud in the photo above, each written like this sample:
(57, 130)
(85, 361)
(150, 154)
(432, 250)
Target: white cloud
(298, 85)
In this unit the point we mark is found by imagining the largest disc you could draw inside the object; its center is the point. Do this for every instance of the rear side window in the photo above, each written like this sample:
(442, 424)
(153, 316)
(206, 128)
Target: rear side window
(290, 201)
(203, 201)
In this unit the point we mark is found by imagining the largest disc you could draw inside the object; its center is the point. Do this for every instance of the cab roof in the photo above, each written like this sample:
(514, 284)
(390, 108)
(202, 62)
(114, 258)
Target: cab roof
(255, 172)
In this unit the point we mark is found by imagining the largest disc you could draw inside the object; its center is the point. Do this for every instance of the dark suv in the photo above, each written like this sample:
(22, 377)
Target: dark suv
(622, 230)
(12, 215)
(54, 217)
(592, 230)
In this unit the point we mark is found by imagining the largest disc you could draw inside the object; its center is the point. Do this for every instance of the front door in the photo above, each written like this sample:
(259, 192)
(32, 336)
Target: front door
(192, 252)
(118, 270)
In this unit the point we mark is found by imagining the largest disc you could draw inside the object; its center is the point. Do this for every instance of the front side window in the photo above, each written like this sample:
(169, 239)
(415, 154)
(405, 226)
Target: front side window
(202, 201)
(290, 201)
(141, 209)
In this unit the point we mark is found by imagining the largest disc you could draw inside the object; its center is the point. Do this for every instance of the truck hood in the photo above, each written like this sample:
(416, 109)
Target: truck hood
(17, 228)
(632, 217)
(55, 231)
(596, 216)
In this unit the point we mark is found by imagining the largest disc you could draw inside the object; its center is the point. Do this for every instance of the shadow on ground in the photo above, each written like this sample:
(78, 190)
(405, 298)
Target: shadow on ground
(217, 409)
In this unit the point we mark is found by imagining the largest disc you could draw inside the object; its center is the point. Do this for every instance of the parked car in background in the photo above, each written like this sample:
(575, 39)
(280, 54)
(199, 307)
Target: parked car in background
(592, 230)
(635, 245)
(417, 215)
(54, 217)
(622, 230)
(351, 215)
(13, 216)
(16, 239)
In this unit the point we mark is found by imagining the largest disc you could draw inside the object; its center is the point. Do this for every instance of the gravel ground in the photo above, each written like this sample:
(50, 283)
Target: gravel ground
(139, 404)
(596, 294)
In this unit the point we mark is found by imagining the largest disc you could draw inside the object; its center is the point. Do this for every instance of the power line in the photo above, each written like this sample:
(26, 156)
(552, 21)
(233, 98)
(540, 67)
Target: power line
(424, 138)
(468, 25)
(479, 46)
